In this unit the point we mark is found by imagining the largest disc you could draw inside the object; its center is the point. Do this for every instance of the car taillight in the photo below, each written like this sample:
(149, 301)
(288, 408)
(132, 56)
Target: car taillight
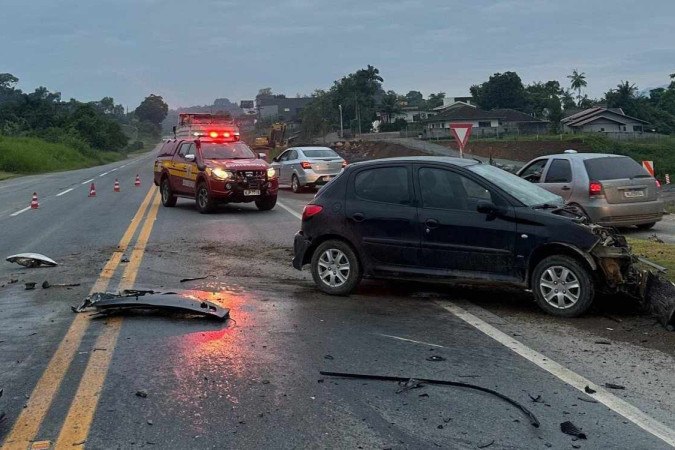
(595, 188)
(344, 164)
(311, 211)
(305, 165)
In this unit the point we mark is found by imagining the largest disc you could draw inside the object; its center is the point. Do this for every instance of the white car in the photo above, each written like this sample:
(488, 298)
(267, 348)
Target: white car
(302, 167)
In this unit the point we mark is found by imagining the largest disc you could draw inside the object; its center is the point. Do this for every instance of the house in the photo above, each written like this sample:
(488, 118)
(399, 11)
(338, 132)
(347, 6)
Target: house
(449, 102)
(281, 108)
(486, 123)
(600, 119)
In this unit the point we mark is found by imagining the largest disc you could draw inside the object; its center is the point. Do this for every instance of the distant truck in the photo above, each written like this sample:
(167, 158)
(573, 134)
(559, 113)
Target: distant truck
(207, 161)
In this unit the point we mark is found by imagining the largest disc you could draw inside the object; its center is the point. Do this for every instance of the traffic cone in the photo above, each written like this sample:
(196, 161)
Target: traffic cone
(92, 190)
(137, 183)
(116, 188)
(34, 203)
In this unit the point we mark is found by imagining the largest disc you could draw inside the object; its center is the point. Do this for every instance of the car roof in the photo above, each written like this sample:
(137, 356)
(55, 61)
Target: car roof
(311, 148)
(583, 156)
(461, 162)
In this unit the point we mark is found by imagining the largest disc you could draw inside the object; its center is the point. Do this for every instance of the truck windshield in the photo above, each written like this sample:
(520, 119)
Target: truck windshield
(234, 150)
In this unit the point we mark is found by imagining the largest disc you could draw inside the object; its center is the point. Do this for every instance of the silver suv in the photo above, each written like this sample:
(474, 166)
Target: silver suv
(612, 190)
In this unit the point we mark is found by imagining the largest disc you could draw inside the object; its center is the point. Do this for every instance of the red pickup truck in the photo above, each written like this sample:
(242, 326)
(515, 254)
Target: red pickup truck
(214, 168)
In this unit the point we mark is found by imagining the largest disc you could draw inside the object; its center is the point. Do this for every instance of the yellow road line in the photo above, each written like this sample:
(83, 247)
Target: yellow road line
(81, 413)
(29, 421)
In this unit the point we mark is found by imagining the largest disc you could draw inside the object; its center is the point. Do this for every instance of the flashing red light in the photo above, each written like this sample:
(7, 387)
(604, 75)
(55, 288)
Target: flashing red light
(306, 165)
(311, 211)
(213, 134)
(226, 134)
(595, 188)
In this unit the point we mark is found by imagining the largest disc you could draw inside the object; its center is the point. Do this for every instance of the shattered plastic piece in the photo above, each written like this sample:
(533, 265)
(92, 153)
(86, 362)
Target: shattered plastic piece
(194, 279)
(435, 358)
(32, 260)
(141, 393)
(571, 429)
(110, 303)
(614, 386)
(533, 419)
(30, 286)
(588, 390)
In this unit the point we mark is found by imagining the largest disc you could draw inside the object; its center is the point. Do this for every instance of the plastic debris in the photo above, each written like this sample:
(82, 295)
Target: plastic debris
(571, 429)
(32, 260)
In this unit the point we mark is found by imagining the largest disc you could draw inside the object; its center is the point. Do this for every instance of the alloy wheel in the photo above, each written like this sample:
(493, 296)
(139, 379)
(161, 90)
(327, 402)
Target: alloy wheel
(560, 287)
(334, 267)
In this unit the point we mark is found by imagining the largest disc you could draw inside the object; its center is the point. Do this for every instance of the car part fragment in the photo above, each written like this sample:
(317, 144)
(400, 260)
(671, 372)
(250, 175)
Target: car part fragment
(32, 260)
(47, 285)
(533, 419)
(134, 300)
(571, 429)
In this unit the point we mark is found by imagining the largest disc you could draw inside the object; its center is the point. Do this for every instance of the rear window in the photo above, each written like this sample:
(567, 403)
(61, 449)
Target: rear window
(614, 168)
(323, 153)
(384, 185)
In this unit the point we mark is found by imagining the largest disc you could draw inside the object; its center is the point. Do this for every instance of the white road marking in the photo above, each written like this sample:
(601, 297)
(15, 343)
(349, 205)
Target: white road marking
(294, 213)
(64, 192)
(87, 182)
(410, 340)
(566, 375)
(104, 174)
(19, 212)
(112, 170)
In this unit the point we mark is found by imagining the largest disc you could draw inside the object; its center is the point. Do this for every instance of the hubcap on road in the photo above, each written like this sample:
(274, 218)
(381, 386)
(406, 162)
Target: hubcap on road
(560, 287)
(334, 267)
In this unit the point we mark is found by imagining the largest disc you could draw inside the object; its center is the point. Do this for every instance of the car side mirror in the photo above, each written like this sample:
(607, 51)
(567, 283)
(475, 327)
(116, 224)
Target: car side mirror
(190, 158)
(262, 156)
(485, 207)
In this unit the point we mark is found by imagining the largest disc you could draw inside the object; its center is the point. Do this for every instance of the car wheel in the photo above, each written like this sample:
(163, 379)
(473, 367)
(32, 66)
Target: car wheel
(168, 199)
(295, 184)
(562, 287)
(335, 268)
(205, 203)
(646, 226)
(266, 203)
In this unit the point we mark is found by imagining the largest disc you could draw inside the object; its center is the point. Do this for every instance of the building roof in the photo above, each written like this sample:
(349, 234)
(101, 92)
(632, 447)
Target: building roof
(468, 112)
(291, 103)
(591, 114)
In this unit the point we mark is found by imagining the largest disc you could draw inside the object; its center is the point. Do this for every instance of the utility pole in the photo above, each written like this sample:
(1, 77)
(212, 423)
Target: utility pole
(342, 134)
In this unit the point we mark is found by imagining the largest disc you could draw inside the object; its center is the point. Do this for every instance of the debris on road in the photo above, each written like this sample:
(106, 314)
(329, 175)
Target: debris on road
(134, 300)
(32, 260)
(614, 386)
(486, 445)
(571, 429)
(533, 419)
(124, 260)
(655, 238)
(409, 385)
(30, 285)
(47, 285)
(536, 399)
(587, 400)
(194, 278)
(141, 393)
(660, 300)
(2, 414)
(588, 390)
(435, 358)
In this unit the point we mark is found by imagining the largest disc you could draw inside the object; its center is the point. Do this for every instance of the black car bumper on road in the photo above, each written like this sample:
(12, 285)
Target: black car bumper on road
(300, 246)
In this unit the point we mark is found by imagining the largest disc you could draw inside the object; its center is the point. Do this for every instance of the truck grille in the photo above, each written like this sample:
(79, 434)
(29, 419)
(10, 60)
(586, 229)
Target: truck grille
(251, 178)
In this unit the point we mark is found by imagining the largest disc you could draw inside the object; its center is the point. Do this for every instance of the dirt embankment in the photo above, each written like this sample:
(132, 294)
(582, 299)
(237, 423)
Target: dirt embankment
(355, 151)
(519, 150)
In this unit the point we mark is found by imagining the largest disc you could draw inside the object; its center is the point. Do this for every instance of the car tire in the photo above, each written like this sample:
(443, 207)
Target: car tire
(295, 184)
(168, 198)
(335, 268)
(550, 281)
(266, 203)
(646, 226)
(205, 203)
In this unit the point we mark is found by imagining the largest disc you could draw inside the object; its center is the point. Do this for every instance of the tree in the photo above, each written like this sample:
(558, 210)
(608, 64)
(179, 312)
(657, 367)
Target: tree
(390, 105)
(435, 100)
(8, 81)
(153, 109)
(414, 98)
(577, 81)
(544, 102)
(502, 90)
(568, 100)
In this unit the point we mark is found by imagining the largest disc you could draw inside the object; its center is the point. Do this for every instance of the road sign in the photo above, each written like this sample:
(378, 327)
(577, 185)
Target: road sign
(461, 133)
(649, 165)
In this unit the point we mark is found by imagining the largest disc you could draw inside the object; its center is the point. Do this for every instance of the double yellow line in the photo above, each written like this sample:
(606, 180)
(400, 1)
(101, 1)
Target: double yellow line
(81, 413)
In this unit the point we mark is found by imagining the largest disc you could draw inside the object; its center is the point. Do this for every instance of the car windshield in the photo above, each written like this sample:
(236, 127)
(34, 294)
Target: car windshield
(527, 193)
(235, 150)
(320, 153)
(614, 168)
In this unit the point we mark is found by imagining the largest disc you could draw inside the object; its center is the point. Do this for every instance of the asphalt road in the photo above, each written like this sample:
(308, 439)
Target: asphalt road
(73, 381)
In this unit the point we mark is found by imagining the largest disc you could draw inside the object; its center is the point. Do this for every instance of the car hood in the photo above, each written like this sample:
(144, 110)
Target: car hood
(237, 164)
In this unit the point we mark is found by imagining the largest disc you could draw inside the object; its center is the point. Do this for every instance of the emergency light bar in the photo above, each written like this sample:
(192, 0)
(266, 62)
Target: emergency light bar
(218, 134)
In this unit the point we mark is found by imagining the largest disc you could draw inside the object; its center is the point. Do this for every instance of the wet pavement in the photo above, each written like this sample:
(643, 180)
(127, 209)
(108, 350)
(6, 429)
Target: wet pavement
(253, 381)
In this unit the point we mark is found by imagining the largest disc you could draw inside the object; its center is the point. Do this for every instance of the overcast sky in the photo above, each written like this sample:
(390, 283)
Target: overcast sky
(192, 54)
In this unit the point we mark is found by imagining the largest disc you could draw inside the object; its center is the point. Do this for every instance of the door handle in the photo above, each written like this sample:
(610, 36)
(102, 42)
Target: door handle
(565, 188)
(358, 217)
(431, 223)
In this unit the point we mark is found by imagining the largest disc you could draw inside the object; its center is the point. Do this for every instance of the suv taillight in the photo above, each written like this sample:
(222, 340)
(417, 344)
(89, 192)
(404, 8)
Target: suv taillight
(305, 165)
(311, 211)
(595, 189)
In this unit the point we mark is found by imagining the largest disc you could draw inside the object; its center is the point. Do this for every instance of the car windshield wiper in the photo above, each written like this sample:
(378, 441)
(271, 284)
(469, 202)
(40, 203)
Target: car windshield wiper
(545, 206)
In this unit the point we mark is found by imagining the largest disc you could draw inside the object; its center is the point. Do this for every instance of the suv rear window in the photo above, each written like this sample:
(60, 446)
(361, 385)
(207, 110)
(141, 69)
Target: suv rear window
(614, 168)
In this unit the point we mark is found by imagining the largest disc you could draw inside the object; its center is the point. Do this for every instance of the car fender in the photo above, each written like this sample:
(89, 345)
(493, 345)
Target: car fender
(549, 248)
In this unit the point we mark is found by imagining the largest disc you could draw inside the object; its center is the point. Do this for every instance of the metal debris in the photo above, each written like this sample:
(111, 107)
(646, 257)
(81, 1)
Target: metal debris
(533, 419)
(571, 429)
(134, 300)
(32, 260)
(47, 285)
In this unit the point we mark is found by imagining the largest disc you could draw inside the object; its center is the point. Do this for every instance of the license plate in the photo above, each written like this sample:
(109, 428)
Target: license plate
(634, 194)
(251, 191)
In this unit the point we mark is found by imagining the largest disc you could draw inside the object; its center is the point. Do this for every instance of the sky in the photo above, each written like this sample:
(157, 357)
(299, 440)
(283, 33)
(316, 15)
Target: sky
(193, 51)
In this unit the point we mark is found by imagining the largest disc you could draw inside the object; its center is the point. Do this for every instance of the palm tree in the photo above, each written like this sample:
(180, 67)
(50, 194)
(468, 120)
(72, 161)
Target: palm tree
(577, 81)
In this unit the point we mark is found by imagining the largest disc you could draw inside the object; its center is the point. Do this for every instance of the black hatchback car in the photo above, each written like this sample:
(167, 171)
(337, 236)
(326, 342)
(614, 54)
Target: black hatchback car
(448, 219)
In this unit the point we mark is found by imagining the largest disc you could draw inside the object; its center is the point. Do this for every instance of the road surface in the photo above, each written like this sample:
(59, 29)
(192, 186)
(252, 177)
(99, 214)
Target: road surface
(162, 381)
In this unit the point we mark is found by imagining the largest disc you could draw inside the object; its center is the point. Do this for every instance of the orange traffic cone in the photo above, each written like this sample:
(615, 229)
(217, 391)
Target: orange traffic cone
(92, 190)
(137, 183)
(116, 188)
(34, 202)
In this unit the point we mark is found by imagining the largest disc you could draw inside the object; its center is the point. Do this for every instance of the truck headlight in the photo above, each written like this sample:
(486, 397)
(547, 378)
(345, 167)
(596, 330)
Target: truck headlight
(221, 174)
(271, 173)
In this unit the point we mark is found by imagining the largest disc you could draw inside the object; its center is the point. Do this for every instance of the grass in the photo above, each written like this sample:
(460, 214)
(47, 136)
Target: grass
(6, 175)
(24, 155)
(661, 254)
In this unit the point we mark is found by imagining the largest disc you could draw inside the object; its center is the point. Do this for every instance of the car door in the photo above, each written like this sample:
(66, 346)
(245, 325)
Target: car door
(558, 178)
(278, 165)
(455, 237)
(185, 170)
(290, 165)
(382, 216)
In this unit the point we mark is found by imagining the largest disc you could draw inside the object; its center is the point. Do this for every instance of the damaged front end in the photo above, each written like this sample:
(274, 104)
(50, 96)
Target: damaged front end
(635, 276)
